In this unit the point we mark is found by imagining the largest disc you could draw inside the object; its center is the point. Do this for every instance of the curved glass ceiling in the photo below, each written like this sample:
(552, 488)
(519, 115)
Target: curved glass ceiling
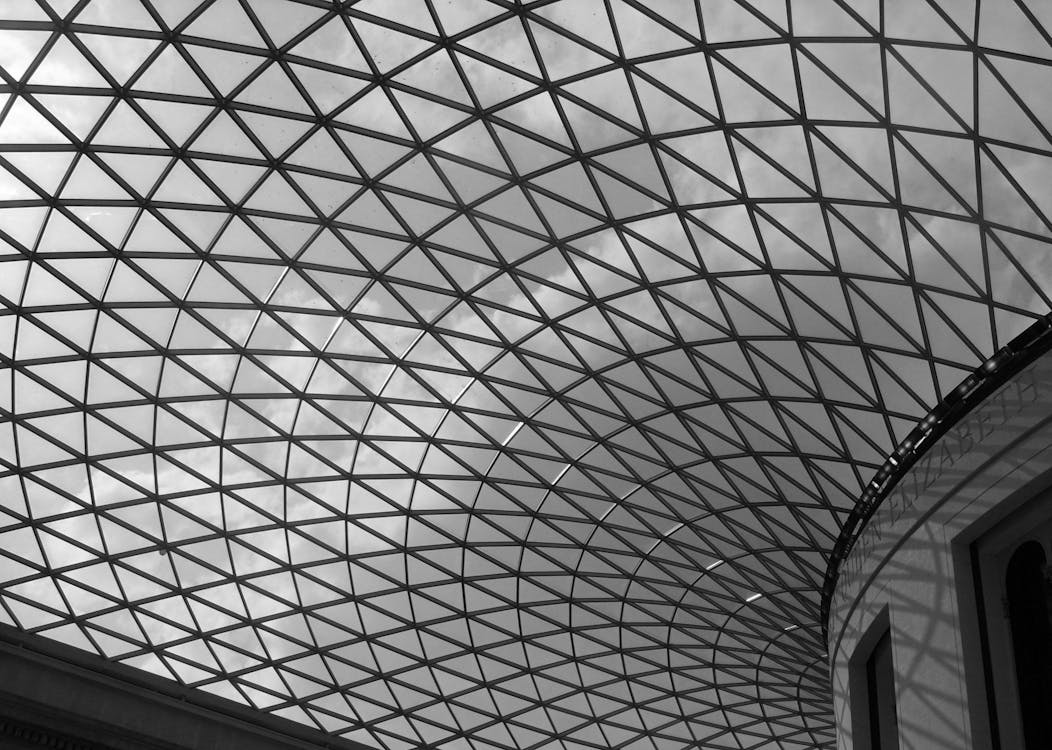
(491, 374)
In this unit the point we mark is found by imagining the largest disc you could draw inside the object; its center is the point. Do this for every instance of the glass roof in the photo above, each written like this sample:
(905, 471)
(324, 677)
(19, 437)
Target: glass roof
(488, 374)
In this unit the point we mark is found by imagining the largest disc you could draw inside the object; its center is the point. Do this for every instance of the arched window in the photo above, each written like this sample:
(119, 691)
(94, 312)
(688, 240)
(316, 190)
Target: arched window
(1028, 589)
(1014, 634)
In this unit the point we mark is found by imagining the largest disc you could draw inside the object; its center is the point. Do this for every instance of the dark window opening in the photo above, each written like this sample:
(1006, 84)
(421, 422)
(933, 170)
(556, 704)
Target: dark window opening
(880, 683)
(1029, 592)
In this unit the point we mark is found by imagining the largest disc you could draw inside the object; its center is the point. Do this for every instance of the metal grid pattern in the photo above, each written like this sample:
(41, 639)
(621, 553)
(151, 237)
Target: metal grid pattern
(483, 374)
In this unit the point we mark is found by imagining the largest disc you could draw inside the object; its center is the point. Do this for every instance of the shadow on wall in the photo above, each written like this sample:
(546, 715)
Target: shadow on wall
(917, 703)
(967, 619)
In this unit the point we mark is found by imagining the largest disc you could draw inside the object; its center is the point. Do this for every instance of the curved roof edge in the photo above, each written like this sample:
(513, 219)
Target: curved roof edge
(141, 708)
(969, 393)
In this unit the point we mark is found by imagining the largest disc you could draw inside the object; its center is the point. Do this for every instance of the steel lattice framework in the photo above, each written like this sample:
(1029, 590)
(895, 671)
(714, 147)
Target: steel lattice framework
(491, 374)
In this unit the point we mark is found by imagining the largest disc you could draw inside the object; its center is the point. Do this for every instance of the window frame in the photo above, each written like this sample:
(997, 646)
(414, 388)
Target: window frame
(991, 630)
(860, 689)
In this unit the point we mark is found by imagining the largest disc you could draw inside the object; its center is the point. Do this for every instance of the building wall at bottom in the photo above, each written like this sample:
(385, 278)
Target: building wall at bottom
(913, 577)
(56, 696)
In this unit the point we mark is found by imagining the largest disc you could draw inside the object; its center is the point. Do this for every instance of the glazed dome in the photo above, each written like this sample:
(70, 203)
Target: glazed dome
(491, 374)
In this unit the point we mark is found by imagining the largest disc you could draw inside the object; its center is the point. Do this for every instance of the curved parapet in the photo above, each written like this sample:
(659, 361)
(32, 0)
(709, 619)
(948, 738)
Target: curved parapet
(927, 569)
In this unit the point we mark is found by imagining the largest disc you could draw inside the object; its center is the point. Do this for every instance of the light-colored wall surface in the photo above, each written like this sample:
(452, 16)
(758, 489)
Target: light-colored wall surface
(912, 561)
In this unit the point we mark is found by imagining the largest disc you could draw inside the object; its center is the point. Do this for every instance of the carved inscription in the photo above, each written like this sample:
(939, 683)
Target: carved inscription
(956, 455)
